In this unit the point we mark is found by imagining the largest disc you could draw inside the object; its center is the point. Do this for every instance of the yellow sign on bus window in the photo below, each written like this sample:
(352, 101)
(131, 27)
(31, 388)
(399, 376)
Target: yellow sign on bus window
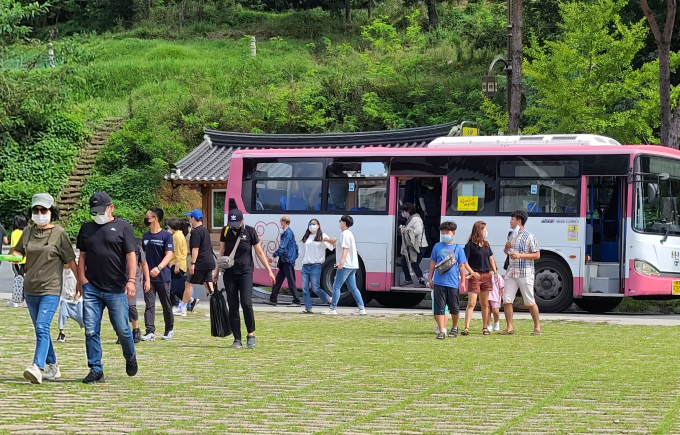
(470, 131)
(468, 203)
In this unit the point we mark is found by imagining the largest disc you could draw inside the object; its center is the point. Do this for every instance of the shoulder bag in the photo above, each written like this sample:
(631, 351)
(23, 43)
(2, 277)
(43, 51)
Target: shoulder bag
(447, 263)
(227, 261)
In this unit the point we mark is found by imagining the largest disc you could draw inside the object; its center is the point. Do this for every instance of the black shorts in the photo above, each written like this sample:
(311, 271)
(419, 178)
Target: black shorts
(444, 296)
(200, 276)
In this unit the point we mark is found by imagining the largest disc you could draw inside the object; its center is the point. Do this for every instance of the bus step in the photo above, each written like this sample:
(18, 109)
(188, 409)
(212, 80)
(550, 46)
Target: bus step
(410, 289)
(603, 295)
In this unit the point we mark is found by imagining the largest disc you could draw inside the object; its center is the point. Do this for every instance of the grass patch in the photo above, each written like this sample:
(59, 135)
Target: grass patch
(313, 374)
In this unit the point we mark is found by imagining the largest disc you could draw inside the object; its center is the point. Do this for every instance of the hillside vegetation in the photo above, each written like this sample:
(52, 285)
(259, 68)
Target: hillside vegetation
(313, 73)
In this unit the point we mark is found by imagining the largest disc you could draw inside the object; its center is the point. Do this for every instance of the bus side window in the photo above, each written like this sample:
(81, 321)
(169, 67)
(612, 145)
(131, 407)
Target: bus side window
(468, 195)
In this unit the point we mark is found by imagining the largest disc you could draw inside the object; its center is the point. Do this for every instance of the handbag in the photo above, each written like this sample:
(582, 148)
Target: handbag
(447, 263)
(227, 261)
(18, 289)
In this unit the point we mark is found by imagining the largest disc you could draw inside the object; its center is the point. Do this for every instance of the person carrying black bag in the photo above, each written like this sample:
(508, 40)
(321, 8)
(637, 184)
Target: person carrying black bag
(219, 314)
(238, 276)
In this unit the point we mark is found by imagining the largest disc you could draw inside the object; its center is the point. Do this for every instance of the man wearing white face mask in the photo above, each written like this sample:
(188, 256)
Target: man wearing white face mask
(107, 268)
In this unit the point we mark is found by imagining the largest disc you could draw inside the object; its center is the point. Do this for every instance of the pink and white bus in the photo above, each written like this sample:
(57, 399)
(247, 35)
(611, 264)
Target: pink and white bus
(604, 214)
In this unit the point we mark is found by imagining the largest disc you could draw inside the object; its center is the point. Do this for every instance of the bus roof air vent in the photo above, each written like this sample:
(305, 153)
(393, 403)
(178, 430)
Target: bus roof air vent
(531, 138)
(562, 138)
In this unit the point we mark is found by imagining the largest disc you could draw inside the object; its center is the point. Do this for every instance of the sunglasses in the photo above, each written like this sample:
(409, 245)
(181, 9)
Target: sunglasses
(40, 210)
(311, 223)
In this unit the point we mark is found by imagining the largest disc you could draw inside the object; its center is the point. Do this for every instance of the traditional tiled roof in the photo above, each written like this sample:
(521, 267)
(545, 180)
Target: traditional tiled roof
(210, 161)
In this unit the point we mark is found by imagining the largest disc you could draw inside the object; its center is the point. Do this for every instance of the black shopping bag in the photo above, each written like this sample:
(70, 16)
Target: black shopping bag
(219, 314)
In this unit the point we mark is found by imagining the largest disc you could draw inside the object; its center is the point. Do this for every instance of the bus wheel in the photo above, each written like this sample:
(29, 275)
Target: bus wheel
(328, 276)
(553, 285)
(597, 305)
(399, 300)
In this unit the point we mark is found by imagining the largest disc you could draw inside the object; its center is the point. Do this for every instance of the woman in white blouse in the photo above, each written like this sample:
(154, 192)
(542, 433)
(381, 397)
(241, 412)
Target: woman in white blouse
(315, 255)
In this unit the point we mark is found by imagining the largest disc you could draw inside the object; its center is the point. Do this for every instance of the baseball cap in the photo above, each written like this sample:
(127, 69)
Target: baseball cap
(43, 200)
(196, 214)
(235, 217)
(99, 201)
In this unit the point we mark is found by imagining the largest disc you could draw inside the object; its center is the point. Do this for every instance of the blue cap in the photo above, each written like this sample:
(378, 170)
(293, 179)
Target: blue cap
(196, 214)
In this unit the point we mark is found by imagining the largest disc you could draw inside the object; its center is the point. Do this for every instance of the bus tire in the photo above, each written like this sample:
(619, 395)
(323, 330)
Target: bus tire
(328, 276)
(597, 305)
(399, 300)
(553, 285)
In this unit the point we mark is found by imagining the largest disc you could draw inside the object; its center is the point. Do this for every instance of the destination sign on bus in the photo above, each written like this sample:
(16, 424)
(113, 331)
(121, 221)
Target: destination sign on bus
(468, 203)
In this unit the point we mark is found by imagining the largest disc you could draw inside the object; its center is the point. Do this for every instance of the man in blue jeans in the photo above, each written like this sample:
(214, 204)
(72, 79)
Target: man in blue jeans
(346, 266)
(107, 269)
(287, 253)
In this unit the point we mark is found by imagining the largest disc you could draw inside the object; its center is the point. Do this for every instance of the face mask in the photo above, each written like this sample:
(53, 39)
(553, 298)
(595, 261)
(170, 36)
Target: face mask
(515, 230)
(404, 214)
(101, 219)
(313, 228)
(41, 219)
(486, 235)
(446, 238)
(340, 225)
(146, 221)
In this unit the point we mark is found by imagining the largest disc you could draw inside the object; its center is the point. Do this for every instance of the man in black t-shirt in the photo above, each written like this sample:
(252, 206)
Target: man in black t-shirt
(107, 269)
(202, 260)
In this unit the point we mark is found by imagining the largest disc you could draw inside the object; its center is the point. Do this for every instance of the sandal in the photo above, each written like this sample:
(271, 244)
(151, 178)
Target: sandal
(485, 331)
(441, 336)
(453, 333)
(536, 332)
(466, 331)
(506, 332)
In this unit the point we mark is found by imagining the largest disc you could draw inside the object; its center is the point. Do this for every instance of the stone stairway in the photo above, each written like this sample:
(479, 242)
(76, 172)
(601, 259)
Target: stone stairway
(69, 197)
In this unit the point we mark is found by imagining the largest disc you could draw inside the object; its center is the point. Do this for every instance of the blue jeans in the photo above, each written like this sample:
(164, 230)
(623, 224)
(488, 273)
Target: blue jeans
(94, 302)
(347, 276)
(42, 309)
(311, 274)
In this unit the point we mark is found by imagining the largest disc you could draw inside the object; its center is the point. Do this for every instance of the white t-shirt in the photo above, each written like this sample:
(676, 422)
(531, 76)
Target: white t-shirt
(315, 252)
(68, 288)
(347, 241)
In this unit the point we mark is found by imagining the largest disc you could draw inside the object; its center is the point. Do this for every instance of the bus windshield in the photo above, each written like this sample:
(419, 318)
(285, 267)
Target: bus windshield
(658, 196)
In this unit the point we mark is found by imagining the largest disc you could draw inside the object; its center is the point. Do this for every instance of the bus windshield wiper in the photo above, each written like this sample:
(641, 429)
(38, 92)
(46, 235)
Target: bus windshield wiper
(668, 229)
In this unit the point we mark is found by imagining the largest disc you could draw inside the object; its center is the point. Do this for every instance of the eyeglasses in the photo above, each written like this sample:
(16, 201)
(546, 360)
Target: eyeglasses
(40, 210)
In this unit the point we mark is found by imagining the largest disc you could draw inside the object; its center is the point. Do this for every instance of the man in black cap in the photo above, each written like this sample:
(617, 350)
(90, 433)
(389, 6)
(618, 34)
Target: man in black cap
(107, 269)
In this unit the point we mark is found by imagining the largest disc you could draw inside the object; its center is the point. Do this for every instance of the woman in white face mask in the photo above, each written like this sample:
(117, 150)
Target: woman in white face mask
(315, 255)
(46, 248)
(413, 245)
(480, 259)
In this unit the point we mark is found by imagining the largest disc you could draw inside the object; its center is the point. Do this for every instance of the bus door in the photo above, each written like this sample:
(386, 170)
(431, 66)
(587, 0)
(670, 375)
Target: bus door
(605, 236)
(425, 194)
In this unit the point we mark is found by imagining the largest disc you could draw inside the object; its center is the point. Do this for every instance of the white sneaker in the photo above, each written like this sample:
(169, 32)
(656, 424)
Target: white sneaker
(489, 328)
(33, 374)
(52, 373)
(149, 337)
(182, 312)
(497, 326)
(175, 310)
(436, 329)
(169, 335)
(329, 312)
(359, 312)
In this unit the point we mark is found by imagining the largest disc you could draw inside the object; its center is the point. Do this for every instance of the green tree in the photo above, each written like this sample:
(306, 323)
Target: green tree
(12, 13)
(583, 81)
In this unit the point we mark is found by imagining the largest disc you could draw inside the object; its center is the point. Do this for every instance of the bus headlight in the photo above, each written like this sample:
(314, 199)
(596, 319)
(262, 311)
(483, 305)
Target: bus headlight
(645, 268)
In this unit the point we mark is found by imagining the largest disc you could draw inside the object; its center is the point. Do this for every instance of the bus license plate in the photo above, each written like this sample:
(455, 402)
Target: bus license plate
(676, 287)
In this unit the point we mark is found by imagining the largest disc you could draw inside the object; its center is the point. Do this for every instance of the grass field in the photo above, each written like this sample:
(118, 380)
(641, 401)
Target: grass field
(313, 374)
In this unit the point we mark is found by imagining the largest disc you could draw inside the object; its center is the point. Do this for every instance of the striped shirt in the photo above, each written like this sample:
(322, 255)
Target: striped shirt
(523, 243)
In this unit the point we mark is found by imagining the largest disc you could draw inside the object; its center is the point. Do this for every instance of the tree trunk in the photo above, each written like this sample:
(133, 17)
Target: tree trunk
(348, 11)
(370, 9)
(669, 122)
(432, 13)
(516, 63)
